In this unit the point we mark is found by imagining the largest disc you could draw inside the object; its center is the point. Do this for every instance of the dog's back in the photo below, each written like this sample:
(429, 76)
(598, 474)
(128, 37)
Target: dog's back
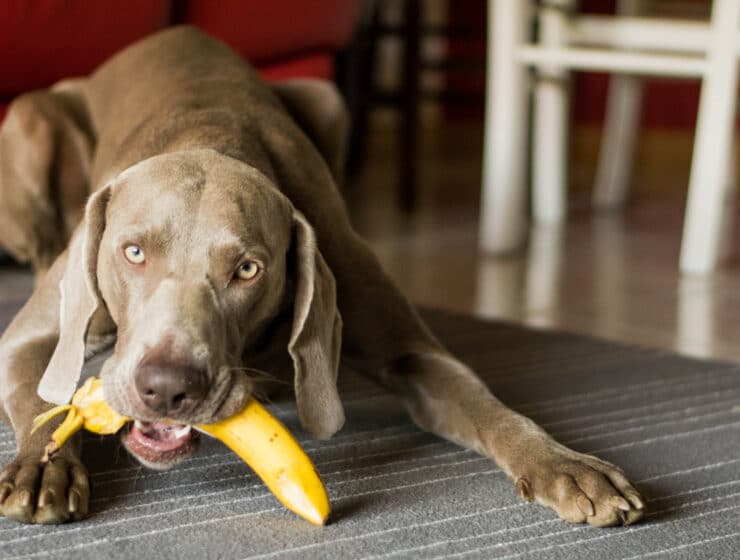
(197, 93)
(175, 91)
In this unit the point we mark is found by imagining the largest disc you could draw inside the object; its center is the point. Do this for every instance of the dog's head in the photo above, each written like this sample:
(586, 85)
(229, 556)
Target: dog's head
(194, 256)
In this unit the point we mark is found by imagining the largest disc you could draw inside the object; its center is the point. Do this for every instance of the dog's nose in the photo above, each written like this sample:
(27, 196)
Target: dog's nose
(170, 390)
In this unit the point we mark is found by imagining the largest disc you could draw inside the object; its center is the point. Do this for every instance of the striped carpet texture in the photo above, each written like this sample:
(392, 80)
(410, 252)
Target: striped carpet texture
(671, 422)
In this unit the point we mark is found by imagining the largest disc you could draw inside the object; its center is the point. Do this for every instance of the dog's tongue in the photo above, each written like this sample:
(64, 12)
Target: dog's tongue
(158, 436)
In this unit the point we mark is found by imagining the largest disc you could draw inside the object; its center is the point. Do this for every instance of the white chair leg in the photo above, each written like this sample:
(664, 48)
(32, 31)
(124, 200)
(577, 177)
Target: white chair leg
(551, 108)
(715, 125)
(619, 137)
(620, 131)
(618, 142)
(503, 218)
(729, 207)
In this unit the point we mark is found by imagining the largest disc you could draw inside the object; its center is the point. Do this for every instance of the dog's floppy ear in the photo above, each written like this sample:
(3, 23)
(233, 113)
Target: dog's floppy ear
(80, 299)
(315, 340)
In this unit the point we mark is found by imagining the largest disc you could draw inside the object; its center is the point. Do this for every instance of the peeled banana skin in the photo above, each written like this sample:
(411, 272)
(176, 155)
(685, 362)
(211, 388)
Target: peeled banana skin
(88, 410)
(254, 434)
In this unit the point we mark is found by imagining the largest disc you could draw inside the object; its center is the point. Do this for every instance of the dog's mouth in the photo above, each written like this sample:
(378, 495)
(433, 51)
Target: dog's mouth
(160, 445)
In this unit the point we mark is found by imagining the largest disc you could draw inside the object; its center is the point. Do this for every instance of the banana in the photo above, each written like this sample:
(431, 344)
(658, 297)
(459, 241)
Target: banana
(88, 410)
(254, 434)
(273, 453)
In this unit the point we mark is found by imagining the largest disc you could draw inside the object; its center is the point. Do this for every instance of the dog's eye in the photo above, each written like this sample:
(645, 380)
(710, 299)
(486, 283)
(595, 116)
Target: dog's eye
(247, 270)
(134, 254)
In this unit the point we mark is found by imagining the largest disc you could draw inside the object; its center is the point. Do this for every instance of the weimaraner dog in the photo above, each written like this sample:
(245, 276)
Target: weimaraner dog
(179, 209)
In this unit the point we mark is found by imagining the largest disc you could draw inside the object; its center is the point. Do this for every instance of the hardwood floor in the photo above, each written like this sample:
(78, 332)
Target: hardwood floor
(612, 276)
(608, 275)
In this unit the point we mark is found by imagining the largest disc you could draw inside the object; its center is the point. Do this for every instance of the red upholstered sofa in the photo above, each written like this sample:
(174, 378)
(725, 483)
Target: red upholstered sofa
(42, 42)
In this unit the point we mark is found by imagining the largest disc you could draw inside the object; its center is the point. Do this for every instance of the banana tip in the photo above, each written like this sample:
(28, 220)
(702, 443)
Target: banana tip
(316, 518)
(51, 448)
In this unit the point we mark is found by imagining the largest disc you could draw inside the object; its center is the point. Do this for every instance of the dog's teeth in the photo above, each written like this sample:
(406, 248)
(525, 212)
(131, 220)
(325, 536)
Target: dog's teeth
(142, 426)
(182, 432)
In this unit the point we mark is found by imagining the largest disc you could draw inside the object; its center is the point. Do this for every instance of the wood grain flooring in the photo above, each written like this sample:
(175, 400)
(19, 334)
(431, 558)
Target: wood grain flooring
(611, 275)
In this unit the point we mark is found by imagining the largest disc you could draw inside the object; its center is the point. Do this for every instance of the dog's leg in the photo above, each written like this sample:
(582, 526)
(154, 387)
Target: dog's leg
(46, 142)
(31, 492)
(382, 333)
(384, 337)
(445, 397)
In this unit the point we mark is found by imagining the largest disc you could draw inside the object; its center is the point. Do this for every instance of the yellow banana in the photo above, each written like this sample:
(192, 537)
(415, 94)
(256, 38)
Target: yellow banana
(273, 453)
(254, 434)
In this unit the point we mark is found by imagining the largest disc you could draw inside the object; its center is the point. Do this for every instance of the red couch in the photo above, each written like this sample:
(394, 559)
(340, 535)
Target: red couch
(42, 42)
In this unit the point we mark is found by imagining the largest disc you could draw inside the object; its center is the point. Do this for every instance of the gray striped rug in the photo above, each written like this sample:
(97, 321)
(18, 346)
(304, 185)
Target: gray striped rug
(400, 493)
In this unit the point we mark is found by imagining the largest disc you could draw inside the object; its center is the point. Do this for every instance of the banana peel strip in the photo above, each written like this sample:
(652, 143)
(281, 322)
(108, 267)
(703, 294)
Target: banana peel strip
(88, 410)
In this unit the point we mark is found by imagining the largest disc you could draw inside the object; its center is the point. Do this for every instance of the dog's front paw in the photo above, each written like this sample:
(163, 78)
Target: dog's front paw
(53, 493)
(580, 488)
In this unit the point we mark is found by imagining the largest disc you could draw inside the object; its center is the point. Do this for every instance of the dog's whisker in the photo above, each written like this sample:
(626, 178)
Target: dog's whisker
(260, 375)
(254, 371)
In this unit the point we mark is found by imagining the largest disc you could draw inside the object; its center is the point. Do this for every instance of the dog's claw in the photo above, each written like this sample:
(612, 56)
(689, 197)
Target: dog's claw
(635, 501)
(52, 493)
(621, 503)
(46, 497)
(24, 498)
(586, 506)
(5, 491)
(524, 489)
(73, 503)
(633, 516)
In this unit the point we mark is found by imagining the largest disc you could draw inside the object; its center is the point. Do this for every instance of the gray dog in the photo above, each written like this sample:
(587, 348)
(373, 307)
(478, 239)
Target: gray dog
(180, 209)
